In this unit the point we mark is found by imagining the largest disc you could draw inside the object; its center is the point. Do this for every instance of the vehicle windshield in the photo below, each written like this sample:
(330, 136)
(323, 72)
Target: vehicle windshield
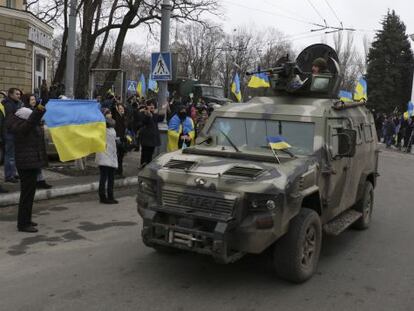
(251, 134)
(212, 91)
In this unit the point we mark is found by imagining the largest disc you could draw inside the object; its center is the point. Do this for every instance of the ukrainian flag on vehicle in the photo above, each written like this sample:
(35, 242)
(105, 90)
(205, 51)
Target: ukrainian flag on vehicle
(77, 128)
(361, 90)
(278, 143)
(259, 80)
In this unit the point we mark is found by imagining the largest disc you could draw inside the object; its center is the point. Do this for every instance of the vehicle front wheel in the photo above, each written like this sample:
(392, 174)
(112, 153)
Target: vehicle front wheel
(296, 254)
(365, 206)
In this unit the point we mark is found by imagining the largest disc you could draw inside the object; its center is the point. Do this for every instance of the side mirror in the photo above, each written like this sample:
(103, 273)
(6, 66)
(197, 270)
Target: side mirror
(346, 143)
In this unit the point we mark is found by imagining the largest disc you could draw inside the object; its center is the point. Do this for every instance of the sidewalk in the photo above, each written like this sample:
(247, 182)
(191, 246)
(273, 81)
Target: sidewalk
(67, 180)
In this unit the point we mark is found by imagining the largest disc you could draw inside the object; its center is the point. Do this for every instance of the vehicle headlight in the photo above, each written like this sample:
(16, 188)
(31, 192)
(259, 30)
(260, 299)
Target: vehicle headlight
(262, 203)
(147, 186)
(271, 205)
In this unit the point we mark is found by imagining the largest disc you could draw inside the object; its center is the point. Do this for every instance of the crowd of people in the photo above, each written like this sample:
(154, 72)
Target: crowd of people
(395, 130)
(130, 127)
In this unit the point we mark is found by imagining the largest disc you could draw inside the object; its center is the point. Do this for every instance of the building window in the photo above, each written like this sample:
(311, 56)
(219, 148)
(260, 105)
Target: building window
(40, 71)
(11, 4)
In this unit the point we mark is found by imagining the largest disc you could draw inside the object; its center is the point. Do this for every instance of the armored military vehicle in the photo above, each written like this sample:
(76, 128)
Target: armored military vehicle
(211, 94)
(232, 194)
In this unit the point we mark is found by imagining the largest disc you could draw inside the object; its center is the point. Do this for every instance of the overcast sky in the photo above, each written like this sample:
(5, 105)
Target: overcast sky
(295, 17)
(292, 17)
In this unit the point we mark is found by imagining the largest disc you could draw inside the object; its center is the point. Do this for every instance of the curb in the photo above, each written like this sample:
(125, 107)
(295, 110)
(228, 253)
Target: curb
(13, 198)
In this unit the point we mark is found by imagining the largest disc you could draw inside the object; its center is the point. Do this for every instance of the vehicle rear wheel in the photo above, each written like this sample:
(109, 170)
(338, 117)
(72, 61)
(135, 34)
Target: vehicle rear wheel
(365, 206)
(296, 254)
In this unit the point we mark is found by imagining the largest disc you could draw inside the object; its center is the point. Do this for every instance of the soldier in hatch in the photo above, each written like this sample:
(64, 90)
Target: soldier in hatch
(319, 65)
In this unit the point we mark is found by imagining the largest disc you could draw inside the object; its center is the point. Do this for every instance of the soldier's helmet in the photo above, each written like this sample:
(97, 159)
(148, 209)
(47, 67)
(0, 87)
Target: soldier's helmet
(321, 64)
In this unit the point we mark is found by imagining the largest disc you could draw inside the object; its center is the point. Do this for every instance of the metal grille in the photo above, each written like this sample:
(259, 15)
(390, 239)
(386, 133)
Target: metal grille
(199, 202)
(180, 164)
(250, 172)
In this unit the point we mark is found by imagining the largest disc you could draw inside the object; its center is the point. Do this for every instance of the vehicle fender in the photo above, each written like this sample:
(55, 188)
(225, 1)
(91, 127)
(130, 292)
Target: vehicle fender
(364, 177)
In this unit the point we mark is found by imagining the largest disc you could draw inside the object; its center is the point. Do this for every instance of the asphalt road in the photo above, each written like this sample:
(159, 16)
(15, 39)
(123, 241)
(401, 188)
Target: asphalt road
(88, 256)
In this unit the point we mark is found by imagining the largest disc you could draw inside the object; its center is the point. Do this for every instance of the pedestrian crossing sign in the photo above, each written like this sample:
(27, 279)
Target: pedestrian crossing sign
(131, 86)
(161, 66)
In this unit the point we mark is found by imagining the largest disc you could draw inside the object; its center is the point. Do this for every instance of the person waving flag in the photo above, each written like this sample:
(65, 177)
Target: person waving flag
(77, 127)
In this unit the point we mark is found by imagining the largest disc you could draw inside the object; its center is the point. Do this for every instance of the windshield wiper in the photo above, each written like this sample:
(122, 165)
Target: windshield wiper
(283, 150)
(207, 140)
(229, 140)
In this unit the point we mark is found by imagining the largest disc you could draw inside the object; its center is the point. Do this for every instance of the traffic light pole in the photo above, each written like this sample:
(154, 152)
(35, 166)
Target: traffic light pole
(164, 47)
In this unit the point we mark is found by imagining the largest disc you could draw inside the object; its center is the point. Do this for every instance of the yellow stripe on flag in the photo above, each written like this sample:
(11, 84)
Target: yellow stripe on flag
(280, 145)
(257, 82)
(77, 141)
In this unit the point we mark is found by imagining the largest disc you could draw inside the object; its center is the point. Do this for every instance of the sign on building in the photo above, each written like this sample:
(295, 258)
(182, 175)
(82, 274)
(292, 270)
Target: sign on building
(40, 38)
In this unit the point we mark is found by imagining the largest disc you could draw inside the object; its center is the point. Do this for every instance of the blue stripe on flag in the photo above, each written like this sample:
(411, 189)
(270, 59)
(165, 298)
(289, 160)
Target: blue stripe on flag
(72, 112)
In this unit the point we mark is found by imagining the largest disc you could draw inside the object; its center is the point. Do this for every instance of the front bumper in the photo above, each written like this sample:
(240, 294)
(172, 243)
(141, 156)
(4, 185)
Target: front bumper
(190, 234)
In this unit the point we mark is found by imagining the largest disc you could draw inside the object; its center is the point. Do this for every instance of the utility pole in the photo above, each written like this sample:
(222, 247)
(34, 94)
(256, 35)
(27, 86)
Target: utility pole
(71, 48)
(164, 47)
(412, 88)
(70, 64)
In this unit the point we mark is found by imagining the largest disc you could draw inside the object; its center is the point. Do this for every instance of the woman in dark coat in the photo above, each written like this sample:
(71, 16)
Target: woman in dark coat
(118, 114)
(149, 134)
(30, 155)
(30, 101)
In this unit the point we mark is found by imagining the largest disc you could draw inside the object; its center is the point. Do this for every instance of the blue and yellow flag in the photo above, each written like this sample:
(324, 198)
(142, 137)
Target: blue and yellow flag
(345, 96)
(77, 128)
(235, 88)
(278, 143)
(410, 109)
(361, 91)
(259, 80)
(152, 85)
(141, 87)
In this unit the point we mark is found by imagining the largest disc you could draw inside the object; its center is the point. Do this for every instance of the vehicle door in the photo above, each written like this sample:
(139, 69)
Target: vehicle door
(338, 173)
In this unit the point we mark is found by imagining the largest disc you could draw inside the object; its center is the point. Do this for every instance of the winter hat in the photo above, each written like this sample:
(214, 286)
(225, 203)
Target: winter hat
(321, 63)
(24, 113)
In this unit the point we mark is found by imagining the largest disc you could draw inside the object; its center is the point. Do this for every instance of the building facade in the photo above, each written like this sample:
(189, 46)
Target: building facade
(25, 48)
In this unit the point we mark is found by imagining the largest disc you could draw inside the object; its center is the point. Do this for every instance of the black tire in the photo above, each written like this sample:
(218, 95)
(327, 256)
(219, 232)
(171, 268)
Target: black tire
(296, 254)
(365, 206)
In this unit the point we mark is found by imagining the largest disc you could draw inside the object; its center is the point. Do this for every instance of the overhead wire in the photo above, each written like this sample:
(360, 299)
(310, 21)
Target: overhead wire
(317, 11)
(274, 14)
(304, 35)
(279, 7)
(334, 12)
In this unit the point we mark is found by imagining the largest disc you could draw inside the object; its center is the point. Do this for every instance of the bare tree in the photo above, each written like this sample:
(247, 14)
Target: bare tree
(352, 64)
(198, 47)
(142, 13)
(100, 17)
(274, 46)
